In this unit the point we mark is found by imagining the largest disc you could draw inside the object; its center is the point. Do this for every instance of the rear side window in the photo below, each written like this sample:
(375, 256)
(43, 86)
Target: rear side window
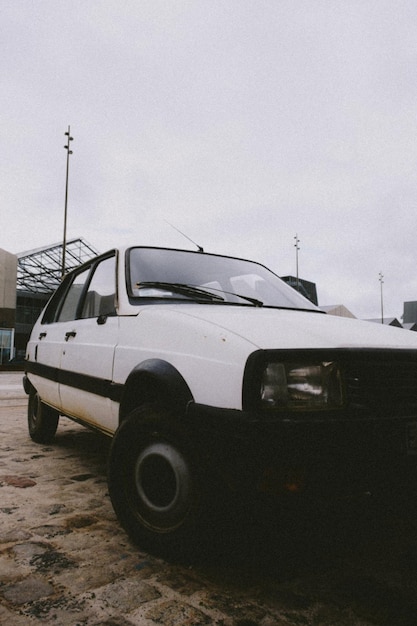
(100, 297)
(89, 293)
(63, 304)
(69, 307)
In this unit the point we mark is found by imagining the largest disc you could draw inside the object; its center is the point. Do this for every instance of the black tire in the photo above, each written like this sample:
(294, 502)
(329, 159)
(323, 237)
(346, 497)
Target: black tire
(42, 419)
(156, 485)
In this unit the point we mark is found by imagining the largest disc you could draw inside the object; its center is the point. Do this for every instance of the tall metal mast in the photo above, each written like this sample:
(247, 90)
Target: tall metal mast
(297, 247)
(64, 241)
(381, 280)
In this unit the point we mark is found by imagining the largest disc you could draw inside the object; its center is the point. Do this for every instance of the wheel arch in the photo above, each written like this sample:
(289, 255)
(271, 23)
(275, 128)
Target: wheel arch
(154, 380)
(28, 385)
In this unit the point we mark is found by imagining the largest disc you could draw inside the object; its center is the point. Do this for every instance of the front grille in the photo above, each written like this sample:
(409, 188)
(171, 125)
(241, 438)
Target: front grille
(381, 382)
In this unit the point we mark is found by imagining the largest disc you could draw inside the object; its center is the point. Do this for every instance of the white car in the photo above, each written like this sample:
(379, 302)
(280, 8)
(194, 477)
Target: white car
(215, 377)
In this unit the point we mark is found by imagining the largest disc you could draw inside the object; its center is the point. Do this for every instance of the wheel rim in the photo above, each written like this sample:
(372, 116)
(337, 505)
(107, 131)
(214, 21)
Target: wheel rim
(163, 486)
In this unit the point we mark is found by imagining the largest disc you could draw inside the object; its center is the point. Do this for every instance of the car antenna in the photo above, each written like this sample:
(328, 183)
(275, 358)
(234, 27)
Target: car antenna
(200, 249)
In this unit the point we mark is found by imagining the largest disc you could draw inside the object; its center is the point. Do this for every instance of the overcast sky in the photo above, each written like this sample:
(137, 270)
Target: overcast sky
(240, 122)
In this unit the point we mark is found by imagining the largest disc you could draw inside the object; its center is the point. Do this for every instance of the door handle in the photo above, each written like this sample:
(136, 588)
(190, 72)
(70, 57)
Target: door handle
(42, 335)
(70, 333)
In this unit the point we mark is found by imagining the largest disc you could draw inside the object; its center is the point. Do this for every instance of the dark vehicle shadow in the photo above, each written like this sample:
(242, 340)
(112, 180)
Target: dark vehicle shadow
(284, 539)
(304, 539)
(88, 448)
(358, 555)
(82, 440)
(292, 538)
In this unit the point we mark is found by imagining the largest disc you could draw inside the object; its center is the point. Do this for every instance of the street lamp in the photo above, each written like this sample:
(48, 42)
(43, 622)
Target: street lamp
(381, 280)
(64, 242)
(297, 247)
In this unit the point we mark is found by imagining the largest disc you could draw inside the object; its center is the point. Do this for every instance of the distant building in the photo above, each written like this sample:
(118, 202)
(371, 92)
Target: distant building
(305, 287)
(410, 326)
(338, 309)
(410, 312)
(27, 281)
(389, 321)
(8, 273)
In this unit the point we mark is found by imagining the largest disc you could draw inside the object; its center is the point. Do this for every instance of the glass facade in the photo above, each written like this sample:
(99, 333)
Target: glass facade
(29, 307)
(6, 345)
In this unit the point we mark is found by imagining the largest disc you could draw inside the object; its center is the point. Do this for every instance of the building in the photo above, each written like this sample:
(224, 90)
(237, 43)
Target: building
(388, 321)
(27, 281)
(8, 274)
(410, 326)
(339, 310)
(410, 312)
(305, 287)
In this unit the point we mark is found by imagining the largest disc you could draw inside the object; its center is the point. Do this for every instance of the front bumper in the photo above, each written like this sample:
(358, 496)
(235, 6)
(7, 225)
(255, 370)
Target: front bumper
(310, 456)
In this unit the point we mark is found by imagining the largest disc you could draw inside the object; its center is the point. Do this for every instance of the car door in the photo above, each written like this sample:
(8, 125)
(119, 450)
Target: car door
(89, 341)
(48, 337)
(44, 350)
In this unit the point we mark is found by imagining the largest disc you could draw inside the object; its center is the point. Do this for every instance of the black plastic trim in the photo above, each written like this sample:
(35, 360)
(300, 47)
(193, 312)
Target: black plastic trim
(155, 376)
(84, 382)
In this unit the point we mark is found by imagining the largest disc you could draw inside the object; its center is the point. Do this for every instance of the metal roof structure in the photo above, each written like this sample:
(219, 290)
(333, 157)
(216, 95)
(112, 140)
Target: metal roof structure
(39, 271)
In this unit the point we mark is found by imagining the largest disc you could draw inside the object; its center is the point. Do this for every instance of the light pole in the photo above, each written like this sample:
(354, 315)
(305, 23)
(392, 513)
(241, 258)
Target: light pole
(297, 247)
(381, 280)
(64, 241)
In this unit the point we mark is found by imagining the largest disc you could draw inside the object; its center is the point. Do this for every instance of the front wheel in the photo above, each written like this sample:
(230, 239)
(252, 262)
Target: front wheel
(42, 419)
(156, 485)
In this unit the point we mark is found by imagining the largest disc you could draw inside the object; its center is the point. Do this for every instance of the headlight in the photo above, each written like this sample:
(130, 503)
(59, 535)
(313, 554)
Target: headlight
(298, 386)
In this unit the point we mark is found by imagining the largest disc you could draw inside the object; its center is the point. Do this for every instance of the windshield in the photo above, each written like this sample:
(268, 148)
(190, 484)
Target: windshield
(185, 275)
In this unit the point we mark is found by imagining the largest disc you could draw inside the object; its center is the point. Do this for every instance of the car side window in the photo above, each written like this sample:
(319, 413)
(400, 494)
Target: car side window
(69, 306)
(100, 297)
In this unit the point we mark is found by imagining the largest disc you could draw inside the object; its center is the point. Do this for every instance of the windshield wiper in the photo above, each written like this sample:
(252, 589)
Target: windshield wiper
(181, 288)
(190, 290)
(253, 301)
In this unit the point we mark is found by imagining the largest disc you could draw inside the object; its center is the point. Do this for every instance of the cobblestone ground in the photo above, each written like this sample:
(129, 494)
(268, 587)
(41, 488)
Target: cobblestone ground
(65, 560)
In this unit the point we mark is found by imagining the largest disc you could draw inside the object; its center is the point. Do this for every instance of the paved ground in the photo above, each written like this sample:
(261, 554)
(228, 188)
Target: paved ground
(65, 560)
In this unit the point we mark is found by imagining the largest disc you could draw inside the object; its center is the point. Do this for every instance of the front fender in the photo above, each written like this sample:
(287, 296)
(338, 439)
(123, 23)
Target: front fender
(154, 380)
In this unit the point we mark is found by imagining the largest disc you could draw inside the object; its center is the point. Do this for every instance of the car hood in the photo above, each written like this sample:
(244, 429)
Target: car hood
(291, 329)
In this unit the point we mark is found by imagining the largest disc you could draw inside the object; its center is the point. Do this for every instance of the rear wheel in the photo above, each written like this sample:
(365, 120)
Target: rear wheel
(42, 419)
(155, 484)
